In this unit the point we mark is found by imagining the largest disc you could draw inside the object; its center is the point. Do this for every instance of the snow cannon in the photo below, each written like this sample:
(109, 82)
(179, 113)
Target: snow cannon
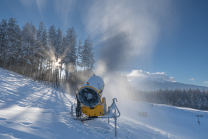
(91, 92)
(90, 104)
(89, 95)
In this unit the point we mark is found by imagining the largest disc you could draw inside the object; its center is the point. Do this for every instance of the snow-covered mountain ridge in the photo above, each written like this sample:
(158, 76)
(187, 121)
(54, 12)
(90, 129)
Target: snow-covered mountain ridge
(150, 85)
(146, 81)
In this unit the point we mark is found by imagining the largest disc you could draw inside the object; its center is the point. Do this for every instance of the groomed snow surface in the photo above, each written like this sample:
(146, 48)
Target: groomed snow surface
(32, 110)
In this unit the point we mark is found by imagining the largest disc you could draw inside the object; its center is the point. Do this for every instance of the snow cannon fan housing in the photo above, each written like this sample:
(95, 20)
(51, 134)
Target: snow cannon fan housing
(90, 93)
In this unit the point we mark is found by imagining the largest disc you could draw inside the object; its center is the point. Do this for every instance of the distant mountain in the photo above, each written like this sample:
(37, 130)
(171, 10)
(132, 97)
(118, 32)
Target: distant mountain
(150, 85)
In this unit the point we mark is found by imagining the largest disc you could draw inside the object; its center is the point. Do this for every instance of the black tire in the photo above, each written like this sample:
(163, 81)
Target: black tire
(78, 108)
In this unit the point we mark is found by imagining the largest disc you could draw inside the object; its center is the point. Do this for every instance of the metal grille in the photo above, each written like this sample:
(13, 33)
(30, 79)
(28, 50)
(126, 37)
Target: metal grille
(88, 97)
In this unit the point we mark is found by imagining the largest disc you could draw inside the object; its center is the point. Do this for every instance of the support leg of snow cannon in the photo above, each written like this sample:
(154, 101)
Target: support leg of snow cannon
(108, 109)
(114, 114)
(115, 126)
(72, 111)
(110, 113)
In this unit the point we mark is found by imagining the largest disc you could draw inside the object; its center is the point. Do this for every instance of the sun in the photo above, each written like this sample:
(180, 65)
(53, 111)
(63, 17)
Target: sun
(57, 63)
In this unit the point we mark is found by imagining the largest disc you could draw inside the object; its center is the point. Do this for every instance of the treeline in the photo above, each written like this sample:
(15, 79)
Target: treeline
(47, 55)
(190, 98)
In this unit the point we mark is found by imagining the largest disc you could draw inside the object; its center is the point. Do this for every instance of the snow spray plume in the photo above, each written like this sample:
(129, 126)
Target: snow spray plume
(126, 30)
(113, 55)
(114, 52)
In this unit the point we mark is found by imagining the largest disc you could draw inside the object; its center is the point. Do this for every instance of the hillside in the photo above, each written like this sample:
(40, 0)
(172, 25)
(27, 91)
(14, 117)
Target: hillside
(151, 85)
(29, 109)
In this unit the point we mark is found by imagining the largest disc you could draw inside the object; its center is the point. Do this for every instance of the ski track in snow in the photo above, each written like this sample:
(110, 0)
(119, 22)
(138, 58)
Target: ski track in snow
(29, 109)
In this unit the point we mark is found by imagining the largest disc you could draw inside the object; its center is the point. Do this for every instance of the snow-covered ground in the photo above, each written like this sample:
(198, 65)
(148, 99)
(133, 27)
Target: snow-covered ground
(30, 109)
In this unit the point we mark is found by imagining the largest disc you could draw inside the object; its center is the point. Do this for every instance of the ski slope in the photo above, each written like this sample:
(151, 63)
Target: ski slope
(29, 109)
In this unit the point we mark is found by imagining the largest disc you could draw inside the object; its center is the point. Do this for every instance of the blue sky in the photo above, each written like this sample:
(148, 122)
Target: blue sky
(163, 36)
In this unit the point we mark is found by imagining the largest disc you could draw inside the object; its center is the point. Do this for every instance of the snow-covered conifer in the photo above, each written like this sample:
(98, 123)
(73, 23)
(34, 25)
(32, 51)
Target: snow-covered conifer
(88, 54)
(14, 41)
(70, 47)
(52, 38)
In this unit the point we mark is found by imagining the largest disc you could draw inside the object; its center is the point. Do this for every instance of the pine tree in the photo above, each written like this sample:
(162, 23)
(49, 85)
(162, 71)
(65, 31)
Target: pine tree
(59, 38)
(52, 40)
(28, 44)
(14, 41)
(4, 42)
(42, 49)
(70, 48)
(199, 101)
(179, 102)
(205, 103)
(88, 55)
(41, 38)
(186, 103)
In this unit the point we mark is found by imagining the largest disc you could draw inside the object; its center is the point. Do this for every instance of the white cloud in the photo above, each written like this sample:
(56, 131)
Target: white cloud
(143, 75)
(206, 82)
(192, 79)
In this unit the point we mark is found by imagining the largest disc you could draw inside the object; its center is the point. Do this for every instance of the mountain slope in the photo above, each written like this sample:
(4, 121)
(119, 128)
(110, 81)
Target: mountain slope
(32, 110)
(151, 85)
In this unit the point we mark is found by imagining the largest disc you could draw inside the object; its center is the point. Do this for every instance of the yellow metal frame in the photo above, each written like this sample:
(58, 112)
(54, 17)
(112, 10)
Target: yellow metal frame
(96, 111)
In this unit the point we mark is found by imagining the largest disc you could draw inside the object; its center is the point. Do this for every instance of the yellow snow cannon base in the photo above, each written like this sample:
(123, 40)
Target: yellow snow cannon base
(98, 110)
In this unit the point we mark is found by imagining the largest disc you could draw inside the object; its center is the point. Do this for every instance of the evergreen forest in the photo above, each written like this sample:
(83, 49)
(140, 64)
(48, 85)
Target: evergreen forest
(48, 55)
(190, 98)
